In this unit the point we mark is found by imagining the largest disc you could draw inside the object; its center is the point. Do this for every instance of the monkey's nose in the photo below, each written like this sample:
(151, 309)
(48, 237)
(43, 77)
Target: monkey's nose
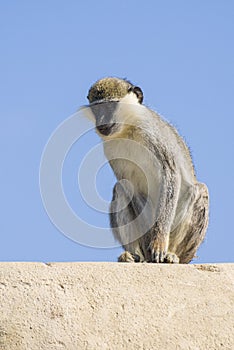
(104, 111)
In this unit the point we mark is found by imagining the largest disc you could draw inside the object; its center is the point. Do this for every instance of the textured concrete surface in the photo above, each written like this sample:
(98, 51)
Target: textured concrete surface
(116, 306)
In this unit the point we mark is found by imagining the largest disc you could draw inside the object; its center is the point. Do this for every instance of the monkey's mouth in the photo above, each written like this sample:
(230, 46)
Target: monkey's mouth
(106, 129)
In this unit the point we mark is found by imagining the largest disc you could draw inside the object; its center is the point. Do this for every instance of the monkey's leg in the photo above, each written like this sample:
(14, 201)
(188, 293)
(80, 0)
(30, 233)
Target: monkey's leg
(188, 236)
(123, 211)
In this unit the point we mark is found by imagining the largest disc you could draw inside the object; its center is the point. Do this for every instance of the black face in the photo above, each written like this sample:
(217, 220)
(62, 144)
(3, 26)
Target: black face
(103, 112)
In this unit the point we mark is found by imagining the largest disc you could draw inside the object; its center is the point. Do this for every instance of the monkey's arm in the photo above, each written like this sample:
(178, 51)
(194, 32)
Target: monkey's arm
(165, 212)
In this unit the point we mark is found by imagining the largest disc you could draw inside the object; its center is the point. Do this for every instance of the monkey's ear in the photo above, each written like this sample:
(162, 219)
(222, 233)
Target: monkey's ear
(138, 92)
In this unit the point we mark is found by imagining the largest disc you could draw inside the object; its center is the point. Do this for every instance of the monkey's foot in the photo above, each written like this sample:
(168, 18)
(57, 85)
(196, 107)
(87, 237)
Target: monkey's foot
(171, 258)
(128, 257)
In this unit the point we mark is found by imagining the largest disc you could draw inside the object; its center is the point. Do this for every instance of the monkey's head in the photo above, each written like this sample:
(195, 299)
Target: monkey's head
(113, 89)
(104, 97)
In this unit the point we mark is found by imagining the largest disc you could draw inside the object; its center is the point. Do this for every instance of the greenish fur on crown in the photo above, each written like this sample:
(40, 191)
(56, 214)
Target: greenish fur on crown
(108, 89)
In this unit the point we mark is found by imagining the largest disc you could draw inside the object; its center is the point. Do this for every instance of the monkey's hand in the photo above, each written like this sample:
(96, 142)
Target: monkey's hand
(158, 248)
(159, 253)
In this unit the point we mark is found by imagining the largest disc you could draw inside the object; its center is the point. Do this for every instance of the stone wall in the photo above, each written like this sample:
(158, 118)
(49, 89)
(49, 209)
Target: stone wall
(95, 306)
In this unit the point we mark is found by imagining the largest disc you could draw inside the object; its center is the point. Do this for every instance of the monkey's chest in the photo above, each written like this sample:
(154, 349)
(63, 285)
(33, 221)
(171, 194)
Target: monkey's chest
(132, 161)
(127, 169)
(145, 181)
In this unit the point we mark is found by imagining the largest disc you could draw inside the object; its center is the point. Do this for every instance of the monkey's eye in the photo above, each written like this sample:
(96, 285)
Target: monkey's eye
(138, 92)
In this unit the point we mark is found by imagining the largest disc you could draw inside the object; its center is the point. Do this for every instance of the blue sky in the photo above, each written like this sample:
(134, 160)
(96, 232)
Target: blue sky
(180, 53)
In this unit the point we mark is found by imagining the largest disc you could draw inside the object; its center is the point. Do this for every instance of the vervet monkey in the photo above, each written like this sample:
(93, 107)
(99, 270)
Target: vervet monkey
(159, 211)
